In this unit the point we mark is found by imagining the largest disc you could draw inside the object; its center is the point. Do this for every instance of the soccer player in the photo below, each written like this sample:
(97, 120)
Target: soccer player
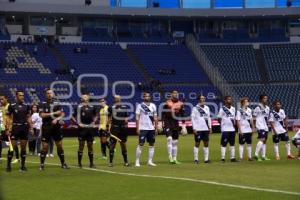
(146, 127)
(245, 123)
(260, 119)
(226, 117)
(201, 121)
(118, 118)
(52, 113)
(85, 116)
(19, 122)
(103, 127)
(173, 111)
(4, 108)
(296, 142)
(279, 126)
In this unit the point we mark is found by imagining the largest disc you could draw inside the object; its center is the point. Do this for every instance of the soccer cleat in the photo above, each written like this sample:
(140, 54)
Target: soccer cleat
(8, 169)
(126, 165)
(171, 159)
(51, 155)
(42, 167)
(223, 160)
(258, 158)
(298, 157)
(65, 166)
(80, 165)
(250, 159)
(277, 157)
(266, 159)
(110, 165)
(15, 161)
(196, 162)
(92, 166)
(176, 162)
(207, 161)
(23, 169)
(137, 163)
(103, 158)
(150, 163)
(290, 157)
(233, 160)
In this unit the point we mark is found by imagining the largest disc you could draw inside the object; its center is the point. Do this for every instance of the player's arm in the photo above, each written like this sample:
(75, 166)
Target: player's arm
(9, 120)
(29, 120)
(286, 123)
(238, 121)
(209, 121)
(272, 123)
(137, 121)
(155, 121)
(219, 116)
(193, 118)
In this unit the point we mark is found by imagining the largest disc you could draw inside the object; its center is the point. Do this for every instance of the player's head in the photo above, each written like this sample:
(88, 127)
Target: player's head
(263, 98)
(174, 95)
(201, 98)
(20, 96)
(117, 98)
(102, 102)
(3, 100)
(277, 104)
(34, 108)
(146, 96)
(49, 94)
(244, 101)
(85, 98)
(228, 100)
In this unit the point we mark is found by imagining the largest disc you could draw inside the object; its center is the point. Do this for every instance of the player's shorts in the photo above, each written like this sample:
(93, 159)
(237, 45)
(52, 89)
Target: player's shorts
(280, 137)
(103, 133)
(245, 138)
(147, 135)
(201, 135)
(295, 141)
(19, 132)
(173, 132)
(51, 132)
(86, 134)
(262, 134)
(228, 137)
(120, 132)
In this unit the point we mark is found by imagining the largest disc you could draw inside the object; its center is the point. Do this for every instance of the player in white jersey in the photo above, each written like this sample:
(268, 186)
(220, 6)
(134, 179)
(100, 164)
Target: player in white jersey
(201, 121)
(245, 123)
(279, 126)
(296, 142)
(146, 127)
(226, 117)
(260, 117)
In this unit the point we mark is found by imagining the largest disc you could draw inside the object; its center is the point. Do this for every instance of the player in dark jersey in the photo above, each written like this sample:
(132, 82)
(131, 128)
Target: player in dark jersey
(85, 116)
(20, 123)
(52, 113)
(173, 110)
(118, 119)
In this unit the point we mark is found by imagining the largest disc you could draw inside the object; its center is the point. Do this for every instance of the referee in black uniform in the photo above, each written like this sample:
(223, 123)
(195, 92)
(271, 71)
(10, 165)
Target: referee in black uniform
(85, 116)
(52, 113)
(118, 120)
(20, 121)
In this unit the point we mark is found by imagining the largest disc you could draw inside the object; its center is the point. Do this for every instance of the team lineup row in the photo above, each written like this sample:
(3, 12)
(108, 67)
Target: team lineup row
(17, 121)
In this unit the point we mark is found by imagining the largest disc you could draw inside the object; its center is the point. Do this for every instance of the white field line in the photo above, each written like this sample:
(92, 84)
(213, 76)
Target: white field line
(187, 180)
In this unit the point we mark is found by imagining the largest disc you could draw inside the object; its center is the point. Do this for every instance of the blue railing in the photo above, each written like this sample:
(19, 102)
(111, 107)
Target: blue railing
(205, 4)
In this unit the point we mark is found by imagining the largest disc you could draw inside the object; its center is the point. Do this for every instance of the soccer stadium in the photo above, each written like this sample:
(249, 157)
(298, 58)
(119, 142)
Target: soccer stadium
(149, 99)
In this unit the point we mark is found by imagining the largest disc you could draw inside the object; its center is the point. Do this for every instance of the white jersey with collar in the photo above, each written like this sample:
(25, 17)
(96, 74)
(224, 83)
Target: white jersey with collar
(227, 116)
(261, 114)
(147, 114)
(201, 119)
(244, 116)
(277, 118)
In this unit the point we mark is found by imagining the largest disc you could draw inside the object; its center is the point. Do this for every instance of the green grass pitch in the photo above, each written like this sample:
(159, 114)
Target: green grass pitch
(166, 181)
